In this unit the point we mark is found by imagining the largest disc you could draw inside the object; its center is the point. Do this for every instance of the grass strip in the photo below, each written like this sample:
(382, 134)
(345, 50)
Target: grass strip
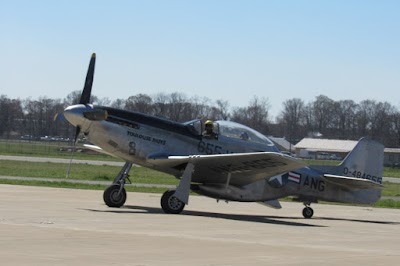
(82, 172)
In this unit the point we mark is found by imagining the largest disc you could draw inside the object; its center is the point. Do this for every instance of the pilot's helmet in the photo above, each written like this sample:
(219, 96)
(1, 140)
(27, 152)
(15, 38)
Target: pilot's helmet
(209, 122)
(244, 135)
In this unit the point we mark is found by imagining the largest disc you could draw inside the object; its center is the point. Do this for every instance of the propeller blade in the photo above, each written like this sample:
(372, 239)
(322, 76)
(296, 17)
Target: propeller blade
(59, 117)
(96, 115)
(78, 130)
(87, 89)
(70, 161)
(85, 99)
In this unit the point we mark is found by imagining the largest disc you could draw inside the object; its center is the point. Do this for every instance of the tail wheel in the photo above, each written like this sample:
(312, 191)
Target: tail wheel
(171, 204)
(114, 196)
(308, 212)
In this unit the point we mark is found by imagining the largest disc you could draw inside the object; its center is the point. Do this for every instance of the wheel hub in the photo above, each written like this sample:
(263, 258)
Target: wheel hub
(174, 203)
(115, 196)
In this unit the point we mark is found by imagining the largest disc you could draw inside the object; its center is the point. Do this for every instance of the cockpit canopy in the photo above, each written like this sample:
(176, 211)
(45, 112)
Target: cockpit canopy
(232, 130)
(235, 130)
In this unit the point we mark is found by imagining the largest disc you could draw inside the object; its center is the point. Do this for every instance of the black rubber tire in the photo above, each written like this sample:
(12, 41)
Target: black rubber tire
(112, 198)
(171, 204)
(308, 212)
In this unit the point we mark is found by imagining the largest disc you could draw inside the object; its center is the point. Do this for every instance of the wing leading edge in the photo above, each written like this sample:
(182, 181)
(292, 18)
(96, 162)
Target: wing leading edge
(243, 168)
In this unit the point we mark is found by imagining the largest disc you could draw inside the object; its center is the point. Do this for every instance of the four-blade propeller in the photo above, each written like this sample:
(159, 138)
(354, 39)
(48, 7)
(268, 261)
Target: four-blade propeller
(76, 114)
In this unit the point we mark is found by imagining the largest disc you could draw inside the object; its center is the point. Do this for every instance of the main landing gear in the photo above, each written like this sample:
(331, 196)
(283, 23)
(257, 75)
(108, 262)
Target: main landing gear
(171, 204)
(308, 212)
(172, 201)
(115, 195)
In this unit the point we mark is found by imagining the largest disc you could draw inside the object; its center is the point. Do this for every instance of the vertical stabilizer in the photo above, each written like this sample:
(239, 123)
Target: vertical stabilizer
(364, 161)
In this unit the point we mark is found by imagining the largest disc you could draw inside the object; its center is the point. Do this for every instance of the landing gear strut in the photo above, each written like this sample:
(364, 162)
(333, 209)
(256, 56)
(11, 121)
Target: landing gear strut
(308, 212)
(115, 195)
(173, 201)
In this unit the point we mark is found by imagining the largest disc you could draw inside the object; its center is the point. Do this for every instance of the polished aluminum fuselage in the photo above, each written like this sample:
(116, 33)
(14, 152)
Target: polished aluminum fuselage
(142, 139)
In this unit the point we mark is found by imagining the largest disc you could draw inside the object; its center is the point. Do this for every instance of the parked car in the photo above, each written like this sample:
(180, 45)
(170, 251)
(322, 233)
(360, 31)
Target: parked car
(335, 157)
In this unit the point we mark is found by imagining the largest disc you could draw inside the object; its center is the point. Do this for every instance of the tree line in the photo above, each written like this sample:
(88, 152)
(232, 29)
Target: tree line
(322, 117)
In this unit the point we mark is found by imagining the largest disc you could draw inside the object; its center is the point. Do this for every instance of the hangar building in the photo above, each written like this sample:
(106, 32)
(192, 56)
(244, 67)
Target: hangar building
(325, 149)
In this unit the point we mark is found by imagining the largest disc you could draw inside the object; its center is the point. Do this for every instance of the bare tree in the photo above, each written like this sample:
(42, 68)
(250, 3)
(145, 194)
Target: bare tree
(322, 111)
(75, 96)
(395, 132)
(118, 103)
(140, 103)
(255, 115)
(343, 119)
(102, 101)
(222, 110)
(381, 122)
(291, 116)
(364, 117)
(11, 116)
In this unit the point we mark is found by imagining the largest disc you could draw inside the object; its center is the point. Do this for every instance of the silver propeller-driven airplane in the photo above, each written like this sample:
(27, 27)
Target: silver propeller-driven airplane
(232, 163)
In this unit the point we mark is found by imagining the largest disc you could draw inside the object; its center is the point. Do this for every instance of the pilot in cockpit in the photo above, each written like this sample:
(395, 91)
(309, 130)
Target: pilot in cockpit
(244, 136)
(209, 130)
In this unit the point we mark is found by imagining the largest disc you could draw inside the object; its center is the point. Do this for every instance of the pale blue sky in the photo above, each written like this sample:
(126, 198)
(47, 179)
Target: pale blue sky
(228, 50)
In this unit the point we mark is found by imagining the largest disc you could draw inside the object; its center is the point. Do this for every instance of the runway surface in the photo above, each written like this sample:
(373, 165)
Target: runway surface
(49, 226)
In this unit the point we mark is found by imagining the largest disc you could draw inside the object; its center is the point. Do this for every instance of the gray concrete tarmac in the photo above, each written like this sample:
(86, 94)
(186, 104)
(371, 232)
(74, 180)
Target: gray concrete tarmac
(52, 226)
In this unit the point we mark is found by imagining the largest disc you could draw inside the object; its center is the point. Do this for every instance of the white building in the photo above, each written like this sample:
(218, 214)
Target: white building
(337, 149)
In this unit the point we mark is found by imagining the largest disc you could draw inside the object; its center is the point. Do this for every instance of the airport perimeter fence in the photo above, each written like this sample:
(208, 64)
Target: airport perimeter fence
(44, 148)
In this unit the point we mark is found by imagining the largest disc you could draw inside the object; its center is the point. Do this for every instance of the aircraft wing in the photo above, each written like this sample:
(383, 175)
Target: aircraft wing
(244, 168)
(352, 183)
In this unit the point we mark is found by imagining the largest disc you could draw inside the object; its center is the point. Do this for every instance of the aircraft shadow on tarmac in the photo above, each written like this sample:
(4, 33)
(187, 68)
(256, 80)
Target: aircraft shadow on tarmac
(357, 220)
(234, 217)
(279, 220)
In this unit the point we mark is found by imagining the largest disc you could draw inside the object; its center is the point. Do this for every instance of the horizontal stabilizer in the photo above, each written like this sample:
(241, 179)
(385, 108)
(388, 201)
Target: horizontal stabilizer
(352, 183)
(271, 203)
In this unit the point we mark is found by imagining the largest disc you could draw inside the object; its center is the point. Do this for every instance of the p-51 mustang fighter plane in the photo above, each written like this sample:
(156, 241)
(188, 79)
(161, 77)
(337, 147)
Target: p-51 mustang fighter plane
(235, 163)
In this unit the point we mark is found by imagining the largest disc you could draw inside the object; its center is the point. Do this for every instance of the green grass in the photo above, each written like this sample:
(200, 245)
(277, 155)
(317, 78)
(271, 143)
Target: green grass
(391, 189)
(82, 172)
(388, 203)
(50, 149)
(391, 172)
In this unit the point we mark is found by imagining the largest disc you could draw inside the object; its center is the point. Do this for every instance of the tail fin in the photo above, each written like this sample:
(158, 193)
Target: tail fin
(359, 174)
(364, 161)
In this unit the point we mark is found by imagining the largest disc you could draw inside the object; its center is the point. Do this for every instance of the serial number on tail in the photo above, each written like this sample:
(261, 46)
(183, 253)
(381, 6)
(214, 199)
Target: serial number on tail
(362, 175)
